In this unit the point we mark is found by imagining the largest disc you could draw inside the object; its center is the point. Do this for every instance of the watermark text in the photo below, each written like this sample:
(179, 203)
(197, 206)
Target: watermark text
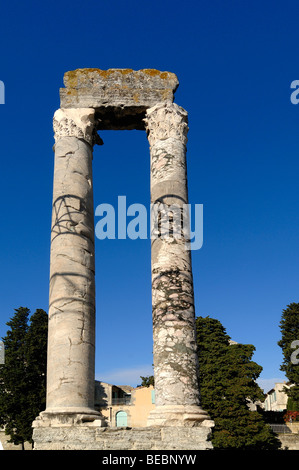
(294, 95)
(2, 359)
(295, 354)
(2, 92)
(171, 222)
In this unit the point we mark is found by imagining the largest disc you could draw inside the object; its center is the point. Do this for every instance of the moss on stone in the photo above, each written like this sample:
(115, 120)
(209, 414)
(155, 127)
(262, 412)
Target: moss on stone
(154, 73)
(72, 77)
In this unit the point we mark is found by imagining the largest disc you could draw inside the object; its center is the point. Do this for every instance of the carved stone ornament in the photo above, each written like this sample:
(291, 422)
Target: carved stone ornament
(166, 120)
(75, 122)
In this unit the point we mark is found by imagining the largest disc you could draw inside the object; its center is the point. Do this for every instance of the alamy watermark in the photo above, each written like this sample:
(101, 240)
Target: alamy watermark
(2, 357)
(294, 95)
(2, 92)
(294, 358)
(169, 222)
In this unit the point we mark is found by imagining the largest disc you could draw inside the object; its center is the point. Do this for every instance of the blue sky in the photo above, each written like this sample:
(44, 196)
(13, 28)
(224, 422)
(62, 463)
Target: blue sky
(235, 61)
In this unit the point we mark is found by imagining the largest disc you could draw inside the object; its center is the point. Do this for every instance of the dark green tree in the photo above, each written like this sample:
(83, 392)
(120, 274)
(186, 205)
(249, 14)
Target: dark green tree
(13, 403)
(147, 381)
(22, 376)
(227, 381)
(289, 343)
(36, 356)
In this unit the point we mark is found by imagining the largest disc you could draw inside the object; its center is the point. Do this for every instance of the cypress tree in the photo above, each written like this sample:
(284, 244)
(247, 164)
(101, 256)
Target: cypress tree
(289, 343)
(36, 356)
(23, 375)
(227, 382)
(13, 379)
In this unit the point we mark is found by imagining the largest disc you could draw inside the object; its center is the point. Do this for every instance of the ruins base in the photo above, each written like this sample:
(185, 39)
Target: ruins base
(88, 437)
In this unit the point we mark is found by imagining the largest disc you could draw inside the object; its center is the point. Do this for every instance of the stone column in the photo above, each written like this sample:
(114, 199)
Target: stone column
(174, 348)
(71, 337)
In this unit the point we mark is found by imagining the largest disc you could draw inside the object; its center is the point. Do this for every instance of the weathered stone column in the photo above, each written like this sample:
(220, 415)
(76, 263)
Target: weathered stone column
(174, 349)
(71, 337)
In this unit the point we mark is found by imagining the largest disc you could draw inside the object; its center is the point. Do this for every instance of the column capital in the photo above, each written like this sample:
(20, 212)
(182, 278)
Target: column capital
(76, 122)
(166, 120)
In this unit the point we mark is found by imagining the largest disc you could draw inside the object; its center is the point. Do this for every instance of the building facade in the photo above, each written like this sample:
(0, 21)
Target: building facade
(124, 406)
(276, 399)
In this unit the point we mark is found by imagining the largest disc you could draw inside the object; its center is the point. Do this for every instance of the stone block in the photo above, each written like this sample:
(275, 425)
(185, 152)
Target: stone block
(98, 438)
(120, 97)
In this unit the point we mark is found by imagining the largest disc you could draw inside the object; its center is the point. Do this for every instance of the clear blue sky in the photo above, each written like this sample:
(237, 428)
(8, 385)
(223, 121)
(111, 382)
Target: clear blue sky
(235, 61)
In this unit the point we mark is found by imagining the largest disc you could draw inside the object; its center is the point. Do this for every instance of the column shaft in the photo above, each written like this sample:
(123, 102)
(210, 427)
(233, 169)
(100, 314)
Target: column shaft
(174, 348)
(71, 337)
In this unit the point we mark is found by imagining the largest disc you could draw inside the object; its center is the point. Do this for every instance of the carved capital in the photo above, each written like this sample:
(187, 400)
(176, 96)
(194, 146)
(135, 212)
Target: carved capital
(166, 120)
(75, 122)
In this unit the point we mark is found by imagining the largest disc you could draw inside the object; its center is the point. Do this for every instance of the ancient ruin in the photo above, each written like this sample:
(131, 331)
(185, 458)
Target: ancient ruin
(93, 100)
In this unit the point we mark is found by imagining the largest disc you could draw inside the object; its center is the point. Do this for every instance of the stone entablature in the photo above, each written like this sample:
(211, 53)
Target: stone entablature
(120, 97)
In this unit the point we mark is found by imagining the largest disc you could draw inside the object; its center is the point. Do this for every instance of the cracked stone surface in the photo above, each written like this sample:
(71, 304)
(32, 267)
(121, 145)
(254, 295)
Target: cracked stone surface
(82, 437)
(174, 343)
(72, 271)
